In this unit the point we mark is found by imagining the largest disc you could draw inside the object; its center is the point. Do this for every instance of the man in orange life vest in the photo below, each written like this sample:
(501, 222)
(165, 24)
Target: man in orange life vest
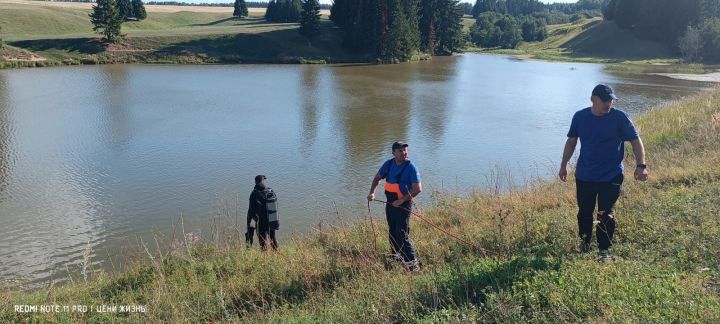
(402, 183)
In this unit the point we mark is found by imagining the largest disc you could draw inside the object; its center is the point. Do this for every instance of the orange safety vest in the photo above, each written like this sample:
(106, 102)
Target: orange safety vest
(395, 187)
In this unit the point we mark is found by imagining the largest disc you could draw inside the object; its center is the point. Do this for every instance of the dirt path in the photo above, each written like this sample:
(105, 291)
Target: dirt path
(708, 77)
(23, 57)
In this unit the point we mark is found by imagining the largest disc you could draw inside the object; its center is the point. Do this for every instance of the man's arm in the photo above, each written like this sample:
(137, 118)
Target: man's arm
(641, 173)
(414, 191)
(374, 185)
(567, 154)
(251, 209)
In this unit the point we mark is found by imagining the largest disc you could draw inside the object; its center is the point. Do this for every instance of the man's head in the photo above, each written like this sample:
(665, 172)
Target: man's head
(260, 179)
(603, 98)
(400, 151)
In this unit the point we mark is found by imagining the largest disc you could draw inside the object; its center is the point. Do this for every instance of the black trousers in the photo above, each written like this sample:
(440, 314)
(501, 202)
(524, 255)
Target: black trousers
(263, 232)
(605, 195)
(398, 220)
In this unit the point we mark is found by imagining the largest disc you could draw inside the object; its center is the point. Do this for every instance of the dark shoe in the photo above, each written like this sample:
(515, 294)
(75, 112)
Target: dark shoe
(412, 266)
(585, 247)
(396, 256)
(605, 256)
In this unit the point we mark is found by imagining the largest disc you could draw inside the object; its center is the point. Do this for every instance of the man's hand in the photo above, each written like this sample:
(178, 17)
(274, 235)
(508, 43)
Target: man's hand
(397, 203)
(563, 172)
(371, 196)
(641, 174)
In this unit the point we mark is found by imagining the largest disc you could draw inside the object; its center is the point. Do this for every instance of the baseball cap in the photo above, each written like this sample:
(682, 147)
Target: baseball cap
(398, 145)
(604, 92)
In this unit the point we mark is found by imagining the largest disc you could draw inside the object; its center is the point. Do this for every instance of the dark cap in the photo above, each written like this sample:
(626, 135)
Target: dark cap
(259, 178)
(398, 145)
(604, 92)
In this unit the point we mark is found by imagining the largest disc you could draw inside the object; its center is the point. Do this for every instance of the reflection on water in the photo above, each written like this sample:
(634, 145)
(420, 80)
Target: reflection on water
(99, 157)
(310, 90)
(5, 138)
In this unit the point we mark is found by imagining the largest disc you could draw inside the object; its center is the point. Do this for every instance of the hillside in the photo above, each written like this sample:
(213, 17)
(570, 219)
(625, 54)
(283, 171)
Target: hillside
(61, 33)
(597, 41)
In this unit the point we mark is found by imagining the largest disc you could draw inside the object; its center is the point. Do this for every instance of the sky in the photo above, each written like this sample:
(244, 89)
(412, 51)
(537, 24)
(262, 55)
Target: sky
(473, 1)
(330, 1)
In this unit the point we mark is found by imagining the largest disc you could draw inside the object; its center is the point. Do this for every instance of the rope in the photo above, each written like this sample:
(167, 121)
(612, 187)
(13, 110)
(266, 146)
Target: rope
(468, 244)
(372, 224)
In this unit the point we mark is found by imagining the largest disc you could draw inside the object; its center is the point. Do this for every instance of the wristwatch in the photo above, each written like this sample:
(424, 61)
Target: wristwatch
(642, 166)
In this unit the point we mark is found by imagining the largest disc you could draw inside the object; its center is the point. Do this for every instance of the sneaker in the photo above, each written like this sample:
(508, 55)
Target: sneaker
(412, 266)
(585, 247)
(396, 257)
(605, 256)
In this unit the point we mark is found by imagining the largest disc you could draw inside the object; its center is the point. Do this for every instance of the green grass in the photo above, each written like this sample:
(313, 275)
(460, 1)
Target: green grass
(597, 41)
(64, 36)
(22, 22)
(667, 266)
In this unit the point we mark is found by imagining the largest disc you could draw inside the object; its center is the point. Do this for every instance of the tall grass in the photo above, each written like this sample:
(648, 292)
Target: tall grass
(667, 266)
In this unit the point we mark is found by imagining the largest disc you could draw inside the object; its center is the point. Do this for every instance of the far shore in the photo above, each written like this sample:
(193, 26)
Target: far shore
(148, 8)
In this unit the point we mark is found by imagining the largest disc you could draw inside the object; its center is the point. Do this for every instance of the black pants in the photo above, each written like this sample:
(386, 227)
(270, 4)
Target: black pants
(263, 232)
(604, 194)
(399, 229)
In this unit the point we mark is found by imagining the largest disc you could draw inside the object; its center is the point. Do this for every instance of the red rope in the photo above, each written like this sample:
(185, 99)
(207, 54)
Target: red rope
(484, 251)
(372, 224)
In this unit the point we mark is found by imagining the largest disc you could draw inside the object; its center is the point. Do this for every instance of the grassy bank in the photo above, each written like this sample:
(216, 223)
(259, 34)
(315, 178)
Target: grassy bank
(598, 41)
(667, 266)
(52, 33)
(57, 34)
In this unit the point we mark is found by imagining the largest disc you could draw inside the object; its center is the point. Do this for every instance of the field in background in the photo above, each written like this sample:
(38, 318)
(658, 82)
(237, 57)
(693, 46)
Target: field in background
(60, 33)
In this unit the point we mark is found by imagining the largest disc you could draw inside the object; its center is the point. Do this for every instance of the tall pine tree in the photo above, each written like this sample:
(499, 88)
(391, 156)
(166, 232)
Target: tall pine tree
(339, 12)
(396, 30)
(139, 10)
(106, 20)
(270, 11)
(448, 28)
(440, 26)
(125, 9)
(285, 11)
(241, 9)
(401, 38)
(310, 18)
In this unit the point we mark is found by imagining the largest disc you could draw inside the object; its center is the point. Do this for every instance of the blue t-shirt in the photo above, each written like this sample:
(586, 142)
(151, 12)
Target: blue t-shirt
(602, 143)
(409, 176)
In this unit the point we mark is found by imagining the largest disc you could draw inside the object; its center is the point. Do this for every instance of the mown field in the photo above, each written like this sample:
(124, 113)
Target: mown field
(666, 267)
(61, 33)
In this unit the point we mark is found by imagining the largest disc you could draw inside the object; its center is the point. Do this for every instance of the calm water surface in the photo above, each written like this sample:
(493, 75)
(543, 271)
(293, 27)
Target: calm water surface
(98, 158)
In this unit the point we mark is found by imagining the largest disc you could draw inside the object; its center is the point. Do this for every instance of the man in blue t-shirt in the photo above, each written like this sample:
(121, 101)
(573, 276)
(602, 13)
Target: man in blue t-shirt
(602, 131)
(402, 183)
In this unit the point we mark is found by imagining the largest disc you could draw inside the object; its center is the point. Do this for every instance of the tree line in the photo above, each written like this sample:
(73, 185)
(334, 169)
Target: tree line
(505, 23)
(493, 29)
(554, 13)
(397, 30)
(690, 26)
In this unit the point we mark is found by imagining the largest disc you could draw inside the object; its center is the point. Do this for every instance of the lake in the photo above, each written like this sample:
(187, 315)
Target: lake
(94, 159)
